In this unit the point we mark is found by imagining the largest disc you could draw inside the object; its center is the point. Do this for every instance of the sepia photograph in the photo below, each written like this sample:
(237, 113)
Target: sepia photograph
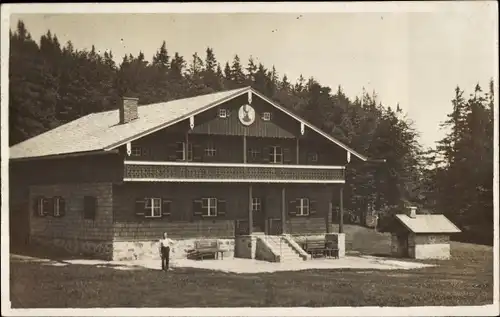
(255, 159)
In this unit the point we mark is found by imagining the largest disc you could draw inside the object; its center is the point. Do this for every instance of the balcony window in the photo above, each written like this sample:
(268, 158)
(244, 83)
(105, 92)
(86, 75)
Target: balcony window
(276, 155)
(136, 151)
(254, 154)
(312, 157)
(181, 153)
(210, 150)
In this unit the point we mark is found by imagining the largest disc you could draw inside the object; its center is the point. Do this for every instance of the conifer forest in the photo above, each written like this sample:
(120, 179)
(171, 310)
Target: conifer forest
(52, 83)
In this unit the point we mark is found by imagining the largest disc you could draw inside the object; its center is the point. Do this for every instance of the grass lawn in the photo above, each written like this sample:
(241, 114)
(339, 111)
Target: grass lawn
(466, 279)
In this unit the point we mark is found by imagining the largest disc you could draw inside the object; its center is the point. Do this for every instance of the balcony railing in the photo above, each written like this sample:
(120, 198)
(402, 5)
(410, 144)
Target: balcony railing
(228, 172)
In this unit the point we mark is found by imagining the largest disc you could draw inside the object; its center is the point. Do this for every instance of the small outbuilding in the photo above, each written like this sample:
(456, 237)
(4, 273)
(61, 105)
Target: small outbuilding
(421, 236)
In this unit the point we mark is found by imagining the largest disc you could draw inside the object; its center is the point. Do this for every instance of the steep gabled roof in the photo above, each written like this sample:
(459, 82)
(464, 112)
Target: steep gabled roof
(102, 131)
(428, 224)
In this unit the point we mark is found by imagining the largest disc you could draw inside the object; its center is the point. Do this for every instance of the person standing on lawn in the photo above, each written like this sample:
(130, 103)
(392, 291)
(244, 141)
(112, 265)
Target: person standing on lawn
(165, 244)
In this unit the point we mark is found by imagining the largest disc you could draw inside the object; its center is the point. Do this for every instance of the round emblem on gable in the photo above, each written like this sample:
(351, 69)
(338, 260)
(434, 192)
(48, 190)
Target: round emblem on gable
(246, 114)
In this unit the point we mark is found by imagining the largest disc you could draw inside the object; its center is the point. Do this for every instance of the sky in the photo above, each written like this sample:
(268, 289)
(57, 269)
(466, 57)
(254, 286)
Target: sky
(412, 58)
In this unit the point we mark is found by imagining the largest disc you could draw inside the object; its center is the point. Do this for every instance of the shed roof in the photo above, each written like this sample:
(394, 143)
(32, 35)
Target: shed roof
(102, 131)
(428, 224)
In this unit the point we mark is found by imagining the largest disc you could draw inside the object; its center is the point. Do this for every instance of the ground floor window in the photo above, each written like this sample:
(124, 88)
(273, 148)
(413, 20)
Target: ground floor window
(152, 207)
(59, 207)
(303, 207)
(209, 207)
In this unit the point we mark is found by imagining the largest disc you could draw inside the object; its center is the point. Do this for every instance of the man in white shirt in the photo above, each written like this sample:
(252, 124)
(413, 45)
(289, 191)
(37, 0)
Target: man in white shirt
(165, 251)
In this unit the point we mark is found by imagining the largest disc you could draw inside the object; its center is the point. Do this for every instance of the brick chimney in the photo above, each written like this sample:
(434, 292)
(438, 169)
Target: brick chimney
(411, 211)
(128, 110)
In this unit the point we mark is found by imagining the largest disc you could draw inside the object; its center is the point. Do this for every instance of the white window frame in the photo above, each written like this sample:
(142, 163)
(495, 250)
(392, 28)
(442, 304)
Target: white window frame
(40, 210)
(188, 153)
(152, 204)
(136, 151)
(275, 154)
(313, 156)
(57, 212)
(223, 113)
(210, 150)
(303, 208)
(254, 153)
(209, 207)
(266, 116)
(256, 204)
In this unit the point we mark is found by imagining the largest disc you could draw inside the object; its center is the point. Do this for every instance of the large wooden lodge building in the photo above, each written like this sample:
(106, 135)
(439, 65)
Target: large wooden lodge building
(220, 165)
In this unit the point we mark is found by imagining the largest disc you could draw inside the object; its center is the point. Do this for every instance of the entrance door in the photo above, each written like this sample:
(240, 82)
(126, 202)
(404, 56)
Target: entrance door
(258, 214)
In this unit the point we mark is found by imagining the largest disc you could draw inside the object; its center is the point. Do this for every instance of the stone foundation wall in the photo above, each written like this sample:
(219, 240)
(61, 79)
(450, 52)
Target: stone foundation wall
(338, 241)
(245, 247)
(142, 250)
(439, 251)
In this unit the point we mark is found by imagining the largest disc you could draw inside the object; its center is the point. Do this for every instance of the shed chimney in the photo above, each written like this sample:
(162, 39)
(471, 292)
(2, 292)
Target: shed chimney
(411, 211)
(128, 110)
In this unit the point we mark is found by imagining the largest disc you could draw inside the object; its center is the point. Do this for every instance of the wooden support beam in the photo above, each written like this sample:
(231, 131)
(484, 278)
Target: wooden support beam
(250, 211)
(186, 149)
(329, 216)
(283, 210)
(341, 221)
(297, 153)
(244, 149)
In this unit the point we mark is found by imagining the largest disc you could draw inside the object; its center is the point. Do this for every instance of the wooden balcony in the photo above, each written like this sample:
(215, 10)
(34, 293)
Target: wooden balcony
(230, 172)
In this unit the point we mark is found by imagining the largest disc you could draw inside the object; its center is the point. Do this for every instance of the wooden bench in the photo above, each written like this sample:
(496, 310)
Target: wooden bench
(204, 248)
(319, 246)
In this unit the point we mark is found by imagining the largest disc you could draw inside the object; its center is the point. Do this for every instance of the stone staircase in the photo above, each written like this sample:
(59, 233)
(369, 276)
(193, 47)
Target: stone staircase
(282, 248)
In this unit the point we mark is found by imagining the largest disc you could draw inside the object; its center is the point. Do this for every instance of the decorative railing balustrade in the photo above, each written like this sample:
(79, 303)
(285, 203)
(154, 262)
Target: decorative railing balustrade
(175, 171)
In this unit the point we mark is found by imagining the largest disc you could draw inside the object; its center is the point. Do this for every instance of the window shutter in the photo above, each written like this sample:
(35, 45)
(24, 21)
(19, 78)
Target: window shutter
(287, 155)
(89, 207)
(292, 207)
(35, 205)
(140, 206)
(197, 152)
(266, 151)
(197, 209)
(172, 152)
(221, 208)
(312, 207)
(62, 207)
(48, 206)
(165, 208)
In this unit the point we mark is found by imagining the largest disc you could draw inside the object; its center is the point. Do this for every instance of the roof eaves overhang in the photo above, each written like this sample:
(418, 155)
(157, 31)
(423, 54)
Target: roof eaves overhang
(172, 122)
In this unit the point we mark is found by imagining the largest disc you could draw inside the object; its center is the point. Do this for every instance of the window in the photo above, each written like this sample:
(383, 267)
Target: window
(266, 116)
(312, 157)
(254, 154)
(136, 151)
(210, 150)
(152, 207)
(89, 207)
(41, 206)
(256, 204)
(223, 113)
(303, 207)
(209, 207)
(59, 207)
(276, 154)
(180, 151)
